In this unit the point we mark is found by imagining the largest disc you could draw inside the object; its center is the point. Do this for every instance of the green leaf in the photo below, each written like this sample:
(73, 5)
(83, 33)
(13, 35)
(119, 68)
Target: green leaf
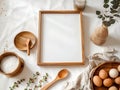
(100, 16)
(10, 88)
(105, 5)
(116, 15)
(115, 6)
(106, 16)
(25, 89)
(112, 21)
(111, 17)
(106, 23)
(113, 11)
(47, 74)
(106, 1)
(98, 12)
(103, 18)
(37, 73)
(28, 84)
(113, 2)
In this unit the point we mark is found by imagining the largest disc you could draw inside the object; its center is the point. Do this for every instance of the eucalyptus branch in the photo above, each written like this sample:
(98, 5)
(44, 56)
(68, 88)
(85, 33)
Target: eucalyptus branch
(111, 12)
(31, 81)
(16, 84)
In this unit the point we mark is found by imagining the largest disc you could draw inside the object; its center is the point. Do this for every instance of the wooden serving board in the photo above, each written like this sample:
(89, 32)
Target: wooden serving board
(106, 66)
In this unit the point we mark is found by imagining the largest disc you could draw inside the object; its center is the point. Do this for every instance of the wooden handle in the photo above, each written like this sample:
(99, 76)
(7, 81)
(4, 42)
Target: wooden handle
(49, 84)
(28, 46)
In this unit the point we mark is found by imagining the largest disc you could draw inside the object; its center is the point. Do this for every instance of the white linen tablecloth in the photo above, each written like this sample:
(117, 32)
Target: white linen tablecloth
(20, 15)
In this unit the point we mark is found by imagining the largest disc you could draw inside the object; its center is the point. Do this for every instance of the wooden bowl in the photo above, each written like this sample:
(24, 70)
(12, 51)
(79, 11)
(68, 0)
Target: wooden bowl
(18, 69)
(21, 38)
(106, 66)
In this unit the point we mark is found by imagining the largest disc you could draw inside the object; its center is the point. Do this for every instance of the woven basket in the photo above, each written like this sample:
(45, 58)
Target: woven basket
(106, 66)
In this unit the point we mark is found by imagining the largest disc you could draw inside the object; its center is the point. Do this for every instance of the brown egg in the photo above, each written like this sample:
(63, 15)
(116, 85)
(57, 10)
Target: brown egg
(97, 81)
(113, 88)
(117, 80)
(108, 82)
(118, 68)
(103, 74)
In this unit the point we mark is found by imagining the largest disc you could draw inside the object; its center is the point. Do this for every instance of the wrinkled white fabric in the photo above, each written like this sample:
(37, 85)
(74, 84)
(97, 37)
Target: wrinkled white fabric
(20, 15)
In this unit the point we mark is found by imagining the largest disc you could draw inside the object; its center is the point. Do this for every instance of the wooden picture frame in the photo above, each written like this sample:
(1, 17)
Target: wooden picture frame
(42, 39)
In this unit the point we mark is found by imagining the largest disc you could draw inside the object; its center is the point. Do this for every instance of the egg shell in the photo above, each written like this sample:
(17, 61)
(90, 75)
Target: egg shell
(118, 68)
(103, 74)
(117, 80)
(97, 81)
(113, 88)
(108, 82)
(113, 73)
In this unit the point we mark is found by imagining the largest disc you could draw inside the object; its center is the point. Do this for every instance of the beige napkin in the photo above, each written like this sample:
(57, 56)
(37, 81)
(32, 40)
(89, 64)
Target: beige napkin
(83, 80)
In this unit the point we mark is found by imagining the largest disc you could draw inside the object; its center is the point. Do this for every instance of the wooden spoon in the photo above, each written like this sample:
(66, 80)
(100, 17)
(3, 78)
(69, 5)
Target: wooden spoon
(28, 46)
(61, 74)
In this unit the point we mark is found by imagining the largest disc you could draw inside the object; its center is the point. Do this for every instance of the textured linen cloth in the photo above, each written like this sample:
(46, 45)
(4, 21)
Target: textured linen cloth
(83, 81)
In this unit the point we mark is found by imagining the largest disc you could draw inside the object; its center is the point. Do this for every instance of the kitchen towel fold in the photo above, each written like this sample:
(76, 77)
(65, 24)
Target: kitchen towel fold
(83, 80)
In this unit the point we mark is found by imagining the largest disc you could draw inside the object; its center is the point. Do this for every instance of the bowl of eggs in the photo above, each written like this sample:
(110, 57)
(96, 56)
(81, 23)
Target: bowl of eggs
(106, 76)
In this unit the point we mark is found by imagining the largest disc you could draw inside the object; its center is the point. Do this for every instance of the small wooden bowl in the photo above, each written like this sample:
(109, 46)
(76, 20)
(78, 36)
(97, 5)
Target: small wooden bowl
(18, 69)
(21, 38)
(106, 66)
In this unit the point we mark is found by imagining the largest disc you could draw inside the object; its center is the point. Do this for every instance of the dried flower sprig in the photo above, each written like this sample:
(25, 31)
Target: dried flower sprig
(32, 81)
(111, 13)
(16, 84)
(43, 80)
